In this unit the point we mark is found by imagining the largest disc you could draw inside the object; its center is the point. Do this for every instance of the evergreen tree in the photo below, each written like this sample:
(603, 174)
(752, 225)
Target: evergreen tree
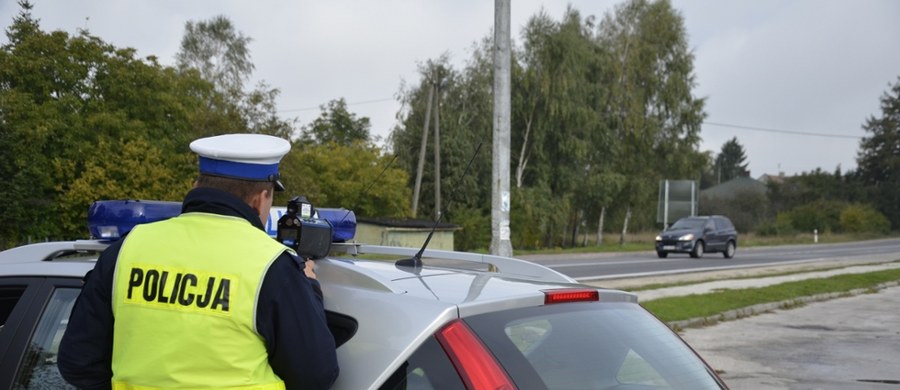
(879, 156)
(730, 161)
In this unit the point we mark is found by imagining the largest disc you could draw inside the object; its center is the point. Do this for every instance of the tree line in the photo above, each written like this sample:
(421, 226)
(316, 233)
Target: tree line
(82, 120)
(859, 201)
(602, 110)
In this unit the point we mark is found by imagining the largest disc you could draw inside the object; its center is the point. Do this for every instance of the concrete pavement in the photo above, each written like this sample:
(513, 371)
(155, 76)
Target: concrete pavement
(845, 343)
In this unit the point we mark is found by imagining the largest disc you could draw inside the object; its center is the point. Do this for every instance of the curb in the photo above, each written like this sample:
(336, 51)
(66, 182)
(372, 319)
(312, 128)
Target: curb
(768, 307)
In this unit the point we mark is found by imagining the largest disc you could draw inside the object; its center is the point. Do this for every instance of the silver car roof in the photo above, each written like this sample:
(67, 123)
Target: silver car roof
(399, 307)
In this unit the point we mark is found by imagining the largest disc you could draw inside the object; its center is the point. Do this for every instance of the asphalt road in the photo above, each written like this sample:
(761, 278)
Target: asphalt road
(846, 343)
(599, 266)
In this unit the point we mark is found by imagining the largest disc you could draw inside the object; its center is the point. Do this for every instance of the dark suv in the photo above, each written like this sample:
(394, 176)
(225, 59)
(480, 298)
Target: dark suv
(698, 235)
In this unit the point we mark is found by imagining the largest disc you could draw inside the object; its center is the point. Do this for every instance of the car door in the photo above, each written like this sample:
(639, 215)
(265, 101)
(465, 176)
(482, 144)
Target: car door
(726, 230)
(36, 312)
(713, 238)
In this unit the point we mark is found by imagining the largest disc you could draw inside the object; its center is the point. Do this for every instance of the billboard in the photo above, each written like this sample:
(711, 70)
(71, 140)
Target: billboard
(677, 199)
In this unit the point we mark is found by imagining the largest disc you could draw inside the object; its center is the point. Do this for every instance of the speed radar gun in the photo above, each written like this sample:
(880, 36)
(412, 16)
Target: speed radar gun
(301, 229)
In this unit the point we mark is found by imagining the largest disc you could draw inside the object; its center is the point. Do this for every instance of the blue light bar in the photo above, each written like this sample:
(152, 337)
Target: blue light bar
(113, 219)
(343, 223)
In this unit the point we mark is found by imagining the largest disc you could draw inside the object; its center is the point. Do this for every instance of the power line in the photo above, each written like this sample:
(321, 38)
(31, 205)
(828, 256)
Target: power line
(780, 131)
(349, 104)
(783, 131)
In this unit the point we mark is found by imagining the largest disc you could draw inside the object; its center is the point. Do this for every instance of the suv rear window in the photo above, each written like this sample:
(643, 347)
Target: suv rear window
(724, 224)
(590, 346)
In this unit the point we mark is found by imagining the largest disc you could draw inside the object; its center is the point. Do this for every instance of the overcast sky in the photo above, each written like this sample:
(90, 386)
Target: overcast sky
(769, 68)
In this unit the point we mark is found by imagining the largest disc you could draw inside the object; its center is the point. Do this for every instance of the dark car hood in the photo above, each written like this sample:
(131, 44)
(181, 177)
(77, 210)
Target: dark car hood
(678, 233)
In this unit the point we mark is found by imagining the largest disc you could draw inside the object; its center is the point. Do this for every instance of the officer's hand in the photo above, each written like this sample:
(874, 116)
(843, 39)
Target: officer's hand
(308, 270)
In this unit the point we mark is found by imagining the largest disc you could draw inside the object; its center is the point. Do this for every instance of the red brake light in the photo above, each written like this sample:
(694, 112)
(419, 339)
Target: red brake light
(475, 364)
(570, 295)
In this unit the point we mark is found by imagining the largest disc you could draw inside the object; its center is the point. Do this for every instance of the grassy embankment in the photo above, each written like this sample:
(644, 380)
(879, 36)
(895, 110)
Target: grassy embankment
(712, 305)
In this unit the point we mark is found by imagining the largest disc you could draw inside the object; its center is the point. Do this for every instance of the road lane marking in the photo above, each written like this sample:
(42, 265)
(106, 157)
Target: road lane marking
(689, 270)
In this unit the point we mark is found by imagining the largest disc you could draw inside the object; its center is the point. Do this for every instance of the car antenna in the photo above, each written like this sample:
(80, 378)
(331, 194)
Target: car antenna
(416, 260)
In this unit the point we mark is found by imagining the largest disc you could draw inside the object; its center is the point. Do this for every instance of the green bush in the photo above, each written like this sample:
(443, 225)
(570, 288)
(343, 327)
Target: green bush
(540, 219)
(822, 215)
(745, 209)
(475, 232)
(783, 224)
(863, 218)
(768, 229)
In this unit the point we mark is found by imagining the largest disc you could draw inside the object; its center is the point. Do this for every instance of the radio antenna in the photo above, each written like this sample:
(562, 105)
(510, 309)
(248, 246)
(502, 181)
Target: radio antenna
(416, 260)
(371, 184)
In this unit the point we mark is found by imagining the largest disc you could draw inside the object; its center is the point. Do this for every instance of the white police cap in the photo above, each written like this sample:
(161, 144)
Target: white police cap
(242, 156)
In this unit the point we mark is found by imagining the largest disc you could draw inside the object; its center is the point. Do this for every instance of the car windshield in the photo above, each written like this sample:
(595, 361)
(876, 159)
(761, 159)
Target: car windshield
(590, 346)
(688, 223)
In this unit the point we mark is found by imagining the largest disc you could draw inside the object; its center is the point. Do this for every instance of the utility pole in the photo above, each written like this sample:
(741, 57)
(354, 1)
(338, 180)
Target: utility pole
(421, 167)
(437, 151)
(500, 198)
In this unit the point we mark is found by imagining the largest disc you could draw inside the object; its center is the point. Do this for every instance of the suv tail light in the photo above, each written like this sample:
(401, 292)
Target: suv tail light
(571, 295)
(475, 364)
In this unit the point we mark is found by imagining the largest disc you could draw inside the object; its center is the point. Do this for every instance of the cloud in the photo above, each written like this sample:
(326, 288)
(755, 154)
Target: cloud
(805, 65)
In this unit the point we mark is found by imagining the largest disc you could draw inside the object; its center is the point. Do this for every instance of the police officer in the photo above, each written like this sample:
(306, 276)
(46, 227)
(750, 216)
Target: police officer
(206, 299)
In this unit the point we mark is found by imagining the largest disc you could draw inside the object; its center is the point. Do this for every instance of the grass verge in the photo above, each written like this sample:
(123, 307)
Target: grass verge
(713, 304)
(657, 286)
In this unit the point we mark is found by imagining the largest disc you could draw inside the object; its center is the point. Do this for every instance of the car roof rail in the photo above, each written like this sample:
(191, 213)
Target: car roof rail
(503, 265)
(49, 251)
(508, 266)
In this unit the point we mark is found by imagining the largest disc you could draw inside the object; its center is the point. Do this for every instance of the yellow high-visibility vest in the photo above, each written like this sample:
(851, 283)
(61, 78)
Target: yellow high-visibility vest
(184, 302)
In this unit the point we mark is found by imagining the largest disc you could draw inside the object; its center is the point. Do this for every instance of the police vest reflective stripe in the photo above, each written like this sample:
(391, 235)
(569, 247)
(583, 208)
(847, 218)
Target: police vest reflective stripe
(184, 301)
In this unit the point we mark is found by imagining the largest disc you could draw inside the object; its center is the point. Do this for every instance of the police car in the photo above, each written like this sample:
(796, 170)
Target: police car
(429, 320)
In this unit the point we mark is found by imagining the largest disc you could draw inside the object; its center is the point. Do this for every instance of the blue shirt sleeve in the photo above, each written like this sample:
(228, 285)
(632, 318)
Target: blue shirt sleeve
(85, 352)
(291, 318)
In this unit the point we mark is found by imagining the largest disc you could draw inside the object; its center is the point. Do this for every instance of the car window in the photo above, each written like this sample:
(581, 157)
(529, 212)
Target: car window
(723, 224)
(711, 225)
(688, 223)
(9, 296)
(38, 369)
(428, 368)
(590, 346)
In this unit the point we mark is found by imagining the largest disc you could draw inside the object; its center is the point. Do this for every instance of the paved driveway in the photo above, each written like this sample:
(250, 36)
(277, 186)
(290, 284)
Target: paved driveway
(846, 343)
